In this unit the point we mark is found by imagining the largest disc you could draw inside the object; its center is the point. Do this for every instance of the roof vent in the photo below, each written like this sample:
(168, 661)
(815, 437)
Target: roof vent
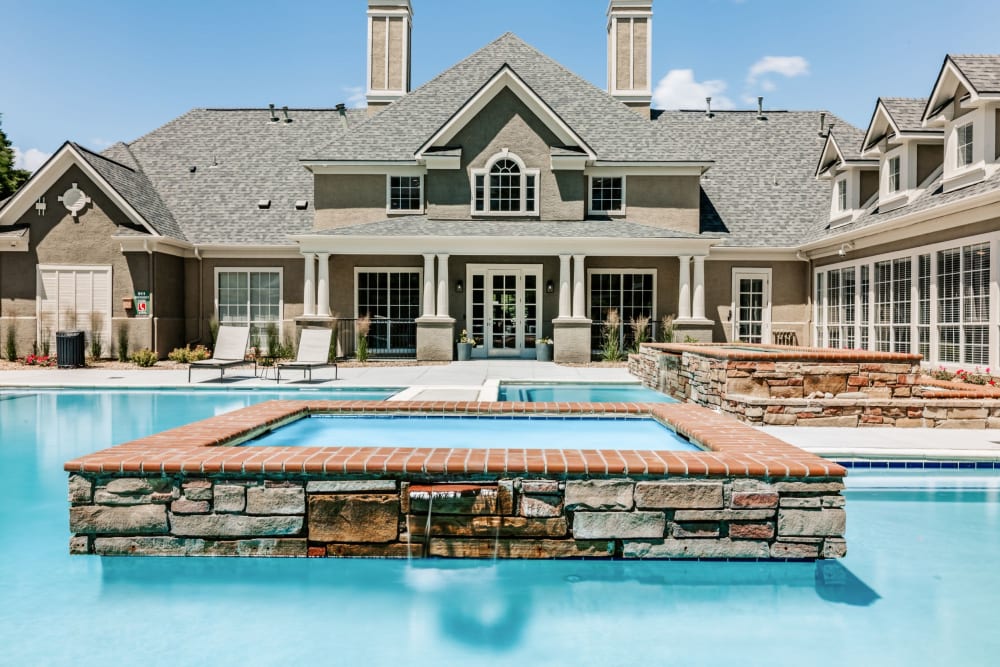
(263, 204)
(342, 110)
(284, 110)
(274, 116)
(760, 107)
(192, 169)
(301, 204)
(708, 107)
(822, 124)
(215, 162)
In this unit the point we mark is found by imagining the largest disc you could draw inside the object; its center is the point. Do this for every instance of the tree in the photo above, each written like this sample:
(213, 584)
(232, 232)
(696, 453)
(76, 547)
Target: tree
(10, 178)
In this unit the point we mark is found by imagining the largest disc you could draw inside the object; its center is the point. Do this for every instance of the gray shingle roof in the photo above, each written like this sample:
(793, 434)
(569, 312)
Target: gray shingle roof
(135, 187)
(982, 71)
(256, 159)
(419, 225)
(761, 190)
(906, 112)
(612, 130)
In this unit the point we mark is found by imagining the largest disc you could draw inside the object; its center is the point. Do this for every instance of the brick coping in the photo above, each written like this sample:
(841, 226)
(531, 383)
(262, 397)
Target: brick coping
(783, 353)
(732, 449)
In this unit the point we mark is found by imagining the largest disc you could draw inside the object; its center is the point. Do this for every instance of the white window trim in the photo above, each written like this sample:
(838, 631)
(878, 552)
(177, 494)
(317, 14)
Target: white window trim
(653, 321)
(388, 195)
(838, 207)
(898, 159)
(390, 269)
(485, 173)
(913, 253)
(252, 269)
(590, 196)
(765, 333)
(959, 165)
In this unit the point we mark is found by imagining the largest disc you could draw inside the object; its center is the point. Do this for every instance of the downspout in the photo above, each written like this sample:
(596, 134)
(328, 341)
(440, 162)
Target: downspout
(201, 277)
(150, 273)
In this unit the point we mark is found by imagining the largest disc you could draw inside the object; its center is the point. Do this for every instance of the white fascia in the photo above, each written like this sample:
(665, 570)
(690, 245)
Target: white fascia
(948, 80)
(51, 171)
(505, 78)
(393, 167)
(605, 168)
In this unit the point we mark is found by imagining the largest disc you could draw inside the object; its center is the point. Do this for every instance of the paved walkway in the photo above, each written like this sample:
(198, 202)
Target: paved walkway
(893, 443)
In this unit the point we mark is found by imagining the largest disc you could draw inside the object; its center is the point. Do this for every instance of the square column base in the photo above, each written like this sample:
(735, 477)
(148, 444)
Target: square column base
(571, 340)
(435, 338)
(698, 329)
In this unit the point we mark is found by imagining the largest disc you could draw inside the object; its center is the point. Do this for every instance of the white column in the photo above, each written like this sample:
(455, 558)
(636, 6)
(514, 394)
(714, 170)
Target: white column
(579, 289)
(428, 309)
(565, 279)
(698, 299)
(442, 298)
(323, 285)
(309, 285)
(684, 288)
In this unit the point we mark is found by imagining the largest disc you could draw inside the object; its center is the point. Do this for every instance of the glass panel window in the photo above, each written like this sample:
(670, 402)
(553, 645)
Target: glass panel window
(606, 194)
(391, 298)
(924, 306)
(820, 313)
(842, 194)
(249, 297)
(964, 304)
(631, 294)
(894, 174)
(865, 309)
(505, 187)
(405, 193)
(965, 145)
(837, 310)
(892, 305)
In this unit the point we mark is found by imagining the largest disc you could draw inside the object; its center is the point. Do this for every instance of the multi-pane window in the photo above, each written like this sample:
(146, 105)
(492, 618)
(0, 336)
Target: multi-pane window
(391, 298)
(405, 193)
(842, 194)
(249, 297)
(628, 293)
(924, 305)
(838, 307)
(606, 194)
(505, 187)
(965, 145)
(964, 304)
(820, 311)
(894, 174)
(892, 305)
(865, 309)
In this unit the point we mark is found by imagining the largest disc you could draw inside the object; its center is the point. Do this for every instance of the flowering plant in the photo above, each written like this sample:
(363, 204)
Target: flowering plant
(544, 341)
(466, 338)
(39, 360)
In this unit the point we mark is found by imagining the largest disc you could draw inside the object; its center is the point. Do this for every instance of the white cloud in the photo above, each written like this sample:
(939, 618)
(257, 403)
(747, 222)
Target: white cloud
(355, 97)
(679, 90)
(767, 85)
(784, 65)
(30, 159)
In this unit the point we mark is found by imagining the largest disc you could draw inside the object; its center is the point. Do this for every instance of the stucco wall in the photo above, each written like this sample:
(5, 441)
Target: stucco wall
(506, 123)
(348, 199)
(789, 296)
(669, 202)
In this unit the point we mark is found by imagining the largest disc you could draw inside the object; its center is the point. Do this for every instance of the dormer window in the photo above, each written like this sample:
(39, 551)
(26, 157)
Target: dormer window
(894, 174)
(964, 145)
(505, 187)
(842, 194)
(607, 194)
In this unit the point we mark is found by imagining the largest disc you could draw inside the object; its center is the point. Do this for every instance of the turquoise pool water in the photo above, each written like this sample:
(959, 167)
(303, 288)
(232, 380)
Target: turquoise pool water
(475, 433)
(919, 587)
(563, 392)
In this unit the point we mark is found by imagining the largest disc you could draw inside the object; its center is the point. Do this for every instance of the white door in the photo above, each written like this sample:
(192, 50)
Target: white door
(504, 310)
(74, 297)
(751, 308)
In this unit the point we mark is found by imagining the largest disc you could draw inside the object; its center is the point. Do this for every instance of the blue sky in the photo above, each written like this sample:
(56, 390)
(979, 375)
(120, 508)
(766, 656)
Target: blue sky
(113, 70)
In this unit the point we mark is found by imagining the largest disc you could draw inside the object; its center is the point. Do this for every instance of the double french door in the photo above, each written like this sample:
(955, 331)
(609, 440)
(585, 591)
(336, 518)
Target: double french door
(504, 309)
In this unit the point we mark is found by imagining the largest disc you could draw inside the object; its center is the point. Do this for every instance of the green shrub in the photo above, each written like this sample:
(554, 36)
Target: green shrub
(611, 349)
(185, 355)
(667, 329)
(123, 341)
(10, 343)
(361, 329)
(96, 335)
(143, 358)
(213, 329)
(640, 331)
(272, 339)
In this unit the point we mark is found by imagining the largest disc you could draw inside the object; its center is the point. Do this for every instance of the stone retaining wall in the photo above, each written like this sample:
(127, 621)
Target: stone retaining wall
(507, 517)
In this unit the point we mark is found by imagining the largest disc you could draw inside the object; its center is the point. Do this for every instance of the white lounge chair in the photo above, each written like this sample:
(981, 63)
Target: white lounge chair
(230, 350)
(314, 352)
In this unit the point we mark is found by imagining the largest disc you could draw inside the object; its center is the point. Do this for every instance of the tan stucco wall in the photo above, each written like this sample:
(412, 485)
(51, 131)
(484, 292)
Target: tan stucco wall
(996, 135)
(396, 54)
(376, 53)
(622, 42)
(929, 158)
(640, 39)
(869, 185)
(506, 123)
(344, 200)
(789, 296)
(669, 202)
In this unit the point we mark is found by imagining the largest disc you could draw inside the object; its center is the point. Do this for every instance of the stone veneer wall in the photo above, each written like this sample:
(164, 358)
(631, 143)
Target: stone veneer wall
(833, 388)
(511, 517)
(185, 492)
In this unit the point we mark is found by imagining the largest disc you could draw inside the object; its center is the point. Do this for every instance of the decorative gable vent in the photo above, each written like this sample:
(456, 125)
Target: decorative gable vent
(301, 204)
(263, 204)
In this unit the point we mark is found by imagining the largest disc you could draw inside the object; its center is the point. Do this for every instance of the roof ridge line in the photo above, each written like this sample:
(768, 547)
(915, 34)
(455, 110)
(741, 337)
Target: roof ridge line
(105, 157)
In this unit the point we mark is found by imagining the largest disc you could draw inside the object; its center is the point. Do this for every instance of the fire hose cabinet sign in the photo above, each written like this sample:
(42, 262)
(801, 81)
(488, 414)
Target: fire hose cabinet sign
(143, 304)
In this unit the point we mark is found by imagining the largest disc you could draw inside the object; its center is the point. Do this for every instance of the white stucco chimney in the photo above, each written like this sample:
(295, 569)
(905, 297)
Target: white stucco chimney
(389, 26)
(630, 52)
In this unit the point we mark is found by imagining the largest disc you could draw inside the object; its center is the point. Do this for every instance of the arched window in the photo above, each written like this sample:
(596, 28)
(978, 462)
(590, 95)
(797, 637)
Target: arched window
(504, 187)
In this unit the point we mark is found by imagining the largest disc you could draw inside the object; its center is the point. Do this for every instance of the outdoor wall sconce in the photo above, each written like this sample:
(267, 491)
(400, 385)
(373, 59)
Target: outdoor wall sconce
(550, 287)
(459, 286)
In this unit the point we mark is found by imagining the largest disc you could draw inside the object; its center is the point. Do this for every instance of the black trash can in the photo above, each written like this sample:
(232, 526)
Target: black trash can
(69, 349)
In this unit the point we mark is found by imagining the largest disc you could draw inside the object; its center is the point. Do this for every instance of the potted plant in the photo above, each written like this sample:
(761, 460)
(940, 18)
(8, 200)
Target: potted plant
(465, 345)
(543, 349)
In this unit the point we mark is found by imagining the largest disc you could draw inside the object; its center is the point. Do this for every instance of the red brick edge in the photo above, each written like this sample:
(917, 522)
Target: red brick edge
(733, 449)
(784, 353)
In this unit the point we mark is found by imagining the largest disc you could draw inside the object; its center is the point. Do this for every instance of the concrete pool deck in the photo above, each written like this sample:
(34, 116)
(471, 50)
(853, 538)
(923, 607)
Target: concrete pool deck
(470, 380)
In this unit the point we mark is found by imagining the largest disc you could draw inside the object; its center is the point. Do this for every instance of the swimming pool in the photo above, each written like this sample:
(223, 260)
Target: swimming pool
(923, 562)
(474, 433)
(584, 393)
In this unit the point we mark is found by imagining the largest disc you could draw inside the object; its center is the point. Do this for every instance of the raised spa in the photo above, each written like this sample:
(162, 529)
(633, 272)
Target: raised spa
(584, 392)
(318, 430)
